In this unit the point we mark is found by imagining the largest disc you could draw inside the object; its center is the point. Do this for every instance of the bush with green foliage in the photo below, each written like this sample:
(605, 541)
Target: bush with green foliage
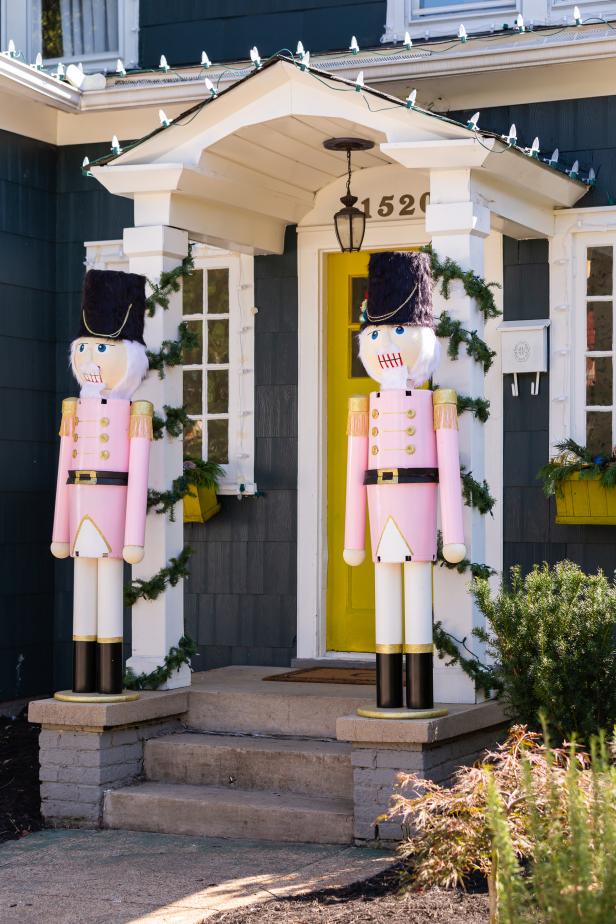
(570, 877)
(538, 822)
(551, 635)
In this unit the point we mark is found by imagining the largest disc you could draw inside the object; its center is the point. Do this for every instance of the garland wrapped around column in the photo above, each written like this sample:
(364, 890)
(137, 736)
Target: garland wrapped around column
(476, 495)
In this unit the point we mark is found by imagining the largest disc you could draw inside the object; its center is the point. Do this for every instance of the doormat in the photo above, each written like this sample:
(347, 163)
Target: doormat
(365, 676)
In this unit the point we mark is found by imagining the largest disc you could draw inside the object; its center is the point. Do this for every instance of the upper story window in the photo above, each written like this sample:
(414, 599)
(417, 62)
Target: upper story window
(434, 18)
(94, 32)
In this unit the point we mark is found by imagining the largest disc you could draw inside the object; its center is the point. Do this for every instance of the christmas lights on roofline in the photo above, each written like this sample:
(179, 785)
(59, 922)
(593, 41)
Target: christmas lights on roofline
(359, 85)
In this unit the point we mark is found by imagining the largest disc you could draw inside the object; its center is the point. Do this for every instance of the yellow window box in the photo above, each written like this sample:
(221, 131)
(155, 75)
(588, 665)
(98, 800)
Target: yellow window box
(200, 505)
(585, 500)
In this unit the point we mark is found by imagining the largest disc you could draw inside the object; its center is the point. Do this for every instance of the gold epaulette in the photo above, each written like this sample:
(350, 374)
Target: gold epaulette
(357, 421)
(141, 413)
(445, 409)
(69, 413)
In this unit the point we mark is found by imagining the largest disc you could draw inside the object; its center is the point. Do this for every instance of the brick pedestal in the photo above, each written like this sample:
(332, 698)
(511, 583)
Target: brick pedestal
(434, 749)
(86, 749)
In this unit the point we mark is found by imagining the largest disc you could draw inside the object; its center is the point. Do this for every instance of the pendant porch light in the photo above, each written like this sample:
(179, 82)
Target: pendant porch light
(349, 221)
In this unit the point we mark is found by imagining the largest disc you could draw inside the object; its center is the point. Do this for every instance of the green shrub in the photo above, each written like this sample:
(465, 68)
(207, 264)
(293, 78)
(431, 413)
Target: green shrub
(571, 874)
(551, 635)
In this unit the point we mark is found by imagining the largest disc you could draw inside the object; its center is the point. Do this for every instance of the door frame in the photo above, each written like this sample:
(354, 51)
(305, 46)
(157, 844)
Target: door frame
(314, 244)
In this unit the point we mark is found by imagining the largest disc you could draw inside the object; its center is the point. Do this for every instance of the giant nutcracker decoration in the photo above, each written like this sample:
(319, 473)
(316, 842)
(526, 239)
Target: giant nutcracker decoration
(101, 494)
(402, 448)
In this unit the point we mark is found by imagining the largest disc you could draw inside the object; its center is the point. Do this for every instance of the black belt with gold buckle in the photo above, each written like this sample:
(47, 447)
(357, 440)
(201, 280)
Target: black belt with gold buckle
(86, 476)
(401, 476)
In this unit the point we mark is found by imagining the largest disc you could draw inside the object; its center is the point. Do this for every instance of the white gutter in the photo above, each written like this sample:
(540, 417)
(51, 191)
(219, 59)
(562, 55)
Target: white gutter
(481, 55)
(39, 86)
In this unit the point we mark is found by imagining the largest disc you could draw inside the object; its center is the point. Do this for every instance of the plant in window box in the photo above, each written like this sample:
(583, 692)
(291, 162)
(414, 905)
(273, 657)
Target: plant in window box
(201, 502)
(583, 484)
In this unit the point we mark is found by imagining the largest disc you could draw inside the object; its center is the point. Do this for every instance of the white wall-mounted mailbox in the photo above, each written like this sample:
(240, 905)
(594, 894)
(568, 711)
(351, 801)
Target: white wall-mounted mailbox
(524, 348)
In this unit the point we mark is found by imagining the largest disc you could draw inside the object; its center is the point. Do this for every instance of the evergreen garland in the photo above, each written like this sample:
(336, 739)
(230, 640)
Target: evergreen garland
(448, 646)
(197, 472)
(154, 587)
(171, 352)
(476, 348)
(477, 571)
(178, 655)
(476, 495)
(176, 422)
(479, 407)
(576, 458)
(447, 270)
(169, 282)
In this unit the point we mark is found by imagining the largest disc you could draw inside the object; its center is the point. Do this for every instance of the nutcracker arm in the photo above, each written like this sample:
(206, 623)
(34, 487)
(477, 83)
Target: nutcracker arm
(357, 463)
(450, 490)
(60, 533)
(140, 435)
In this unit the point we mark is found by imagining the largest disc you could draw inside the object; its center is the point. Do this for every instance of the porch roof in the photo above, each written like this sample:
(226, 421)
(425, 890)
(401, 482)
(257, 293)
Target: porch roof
(235, 169)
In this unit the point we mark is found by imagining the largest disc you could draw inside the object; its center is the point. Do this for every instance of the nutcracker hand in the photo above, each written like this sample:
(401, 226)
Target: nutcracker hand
(454, 552)
(132, 554)
(354, 557)
(60, 549)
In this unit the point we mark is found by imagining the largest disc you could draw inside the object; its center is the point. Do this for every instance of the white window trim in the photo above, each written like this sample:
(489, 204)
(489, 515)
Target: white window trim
(18, 21)
(239, 472)
(576, 230)
(479, 16)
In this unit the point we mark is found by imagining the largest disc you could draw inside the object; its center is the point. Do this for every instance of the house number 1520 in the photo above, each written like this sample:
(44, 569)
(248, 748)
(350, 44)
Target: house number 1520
(404, 206)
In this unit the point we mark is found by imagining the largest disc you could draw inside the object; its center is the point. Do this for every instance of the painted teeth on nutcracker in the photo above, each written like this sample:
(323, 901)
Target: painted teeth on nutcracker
(390, 360)
(95, 377)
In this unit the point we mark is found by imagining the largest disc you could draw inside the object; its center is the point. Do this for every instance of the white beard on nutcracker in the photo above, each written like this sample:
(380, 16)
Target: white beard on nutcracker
(402, 449)
(101, 493)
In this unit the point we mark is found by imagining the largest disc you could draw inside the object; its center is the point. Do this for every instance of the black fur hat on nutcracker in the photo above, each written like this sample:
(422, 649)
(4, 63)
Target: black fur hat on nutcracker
(113, 305)
(399, 290)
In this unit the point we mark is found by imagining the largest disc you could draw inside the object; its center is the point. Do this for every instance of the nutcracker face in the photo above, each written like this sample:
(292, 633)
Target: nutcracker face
(99, 364)
(396, 354)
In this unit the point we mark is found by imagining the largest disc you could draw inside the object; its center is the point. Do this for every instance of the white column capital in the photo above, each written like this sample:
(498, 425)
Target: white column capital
(458, 218)
(156, 241)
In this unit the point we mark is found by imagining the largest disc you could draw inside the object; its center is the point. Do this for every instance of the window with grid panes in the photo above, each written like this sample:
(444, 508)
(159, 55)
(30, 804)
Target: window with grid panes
(599, 400)
(205, 308)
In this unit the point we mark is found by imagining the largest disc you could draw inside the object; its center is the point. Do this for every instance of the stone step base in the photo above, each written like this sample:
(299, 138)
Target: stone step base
(309, 767)
(211, 811)
(237, 700)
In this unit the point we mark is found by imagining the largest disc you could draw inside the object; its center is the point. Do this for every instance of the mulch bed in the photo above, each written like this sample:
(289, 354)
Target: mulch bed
(20, 804)
(375, 900)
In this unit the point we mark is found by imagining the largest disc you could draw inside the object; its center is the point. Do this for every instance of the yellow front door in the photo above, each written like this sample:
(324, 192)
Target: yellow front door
(350, 591)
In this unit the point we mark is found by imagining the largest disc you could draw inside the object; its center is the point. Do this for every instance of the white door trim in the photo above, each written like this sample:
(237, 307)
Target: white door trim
(314, 243)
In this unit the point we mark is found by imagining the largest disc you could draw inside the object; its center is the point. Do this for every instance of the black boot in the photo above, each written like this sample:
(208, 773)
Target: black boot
(84, 666)
(419, 687)
(389, 681)
(110, 674)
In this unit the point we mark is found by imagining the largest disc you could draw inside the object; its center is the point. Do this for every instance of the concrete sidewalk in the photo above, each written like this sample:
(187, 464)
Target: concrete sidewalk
(129, 877)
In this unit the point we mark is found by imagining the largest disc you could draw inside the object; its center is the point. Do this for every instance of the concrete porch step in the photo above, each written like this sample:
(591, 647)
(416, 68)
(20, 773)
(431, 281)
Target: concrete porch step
(309, 767)
(211, 811)
(240, 701)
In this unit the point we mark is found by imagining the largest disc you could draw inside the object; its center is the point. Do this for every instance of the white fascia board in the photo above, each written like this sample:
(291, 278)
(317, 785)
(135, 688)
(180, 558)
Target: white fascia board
(22, 79)
(489, 156)
(227, 184)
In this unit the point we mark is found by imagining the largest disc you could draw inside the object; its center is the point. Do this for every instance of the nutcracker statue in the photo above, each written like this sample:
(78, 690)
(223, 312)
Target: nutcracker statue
(101, 494)
(402, 444)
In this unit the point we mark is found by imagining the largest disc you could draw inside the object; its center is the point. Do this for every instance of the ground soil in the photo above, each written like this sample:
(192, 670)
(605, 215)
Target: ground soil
(377, 900)
(20, 806)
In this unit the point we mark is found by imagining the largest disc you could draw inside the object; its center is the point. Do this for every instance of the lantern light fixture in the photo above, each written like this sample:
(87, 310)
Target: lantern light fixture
(349, 221)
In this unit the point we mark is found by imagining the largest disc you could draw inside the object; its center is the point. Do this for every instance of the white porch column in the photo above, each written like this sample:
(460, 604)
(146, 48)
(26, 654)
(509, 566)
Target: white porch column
(159, 624)
(458, 228)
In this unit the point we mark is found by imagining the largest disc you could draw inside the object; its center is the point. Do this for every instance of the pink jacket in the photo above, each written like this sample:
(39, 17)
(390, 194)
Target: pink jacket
(99, 436)
(392, 430)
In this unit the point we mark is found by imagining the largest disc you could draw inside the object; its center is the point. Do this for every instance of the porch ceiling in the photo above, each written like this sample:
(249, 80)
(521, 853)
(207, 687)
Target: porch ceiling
(236, 169)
